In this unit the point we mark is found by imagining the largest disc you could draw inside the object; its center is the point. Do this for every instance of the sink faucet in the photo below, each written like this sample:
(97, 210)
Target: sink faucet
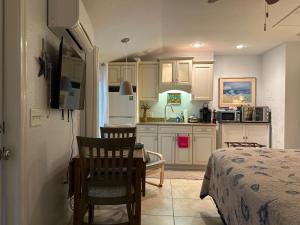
(166, 110)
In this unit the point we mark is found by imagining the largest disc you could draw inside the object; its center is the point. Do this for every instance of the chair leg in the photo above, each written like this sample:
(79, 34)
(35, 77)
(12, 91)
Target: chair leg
(130, 213)
(144, 185)
(91, 214)
(162, 176)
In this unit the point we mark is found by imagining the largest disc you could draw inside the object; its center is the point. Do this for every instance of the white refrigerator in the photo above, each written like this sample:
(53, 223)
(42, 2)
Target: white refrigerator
(122, 109)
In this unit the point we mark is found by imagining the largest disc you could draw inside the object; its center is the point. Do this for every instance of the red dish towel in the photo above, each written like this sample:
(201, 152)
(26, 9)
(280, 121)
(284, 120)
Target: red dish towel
(183, 141)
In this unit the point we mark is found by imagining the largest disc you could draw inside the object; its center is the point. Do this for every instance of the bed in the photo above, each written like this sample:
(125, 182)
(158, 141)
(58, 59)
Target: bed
(254, 186)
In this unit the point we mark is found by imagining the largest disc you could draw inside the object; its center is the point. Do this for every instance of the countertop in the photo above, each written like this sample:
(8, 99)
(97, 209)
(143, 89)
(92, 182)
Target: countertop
(176, 124)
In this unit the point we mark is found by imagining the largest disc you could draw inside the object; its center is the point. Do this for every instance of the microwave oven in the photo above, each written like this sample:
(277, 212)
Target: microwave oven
(259, 114)
(228, 116)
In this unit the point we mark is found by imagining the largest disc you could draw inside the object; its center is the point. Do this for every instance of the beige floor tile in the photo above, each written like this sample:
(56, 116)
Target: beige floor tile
(194, 208)
(186, 189)
(157, 220)
(157, 206)
(156, 192)
(110, 214)
(198, 221)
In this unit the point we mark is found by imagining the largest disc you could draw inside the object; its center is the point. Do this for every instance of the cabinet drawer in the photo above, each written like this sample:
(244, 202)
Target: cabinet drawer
(146, 129)
(203, 129)
(174, 129)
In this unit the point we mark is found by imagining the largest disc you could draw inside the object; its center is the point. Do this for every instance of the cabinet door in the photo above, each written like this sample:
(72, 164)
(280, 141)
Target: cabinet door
(149, 140)
(232, 133)
(148, 82)
(183, 72)
(129, 73)
(203, 146)
(167, 71)
(258, 134)
(202, 82)
(114, 75)
(184, 155)
(166, 146)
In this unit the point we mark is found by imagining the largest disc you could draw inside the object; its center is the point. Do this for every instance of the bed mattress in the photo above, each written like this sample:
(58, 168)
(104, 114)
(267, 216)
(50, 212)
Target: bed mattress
(255, 186)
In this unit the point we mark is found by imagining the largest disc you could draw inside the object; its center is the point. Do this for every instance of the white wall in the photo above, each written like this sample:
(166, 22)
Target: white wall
(48, 147)
(292, 94)
(237, 66)
(273, 83)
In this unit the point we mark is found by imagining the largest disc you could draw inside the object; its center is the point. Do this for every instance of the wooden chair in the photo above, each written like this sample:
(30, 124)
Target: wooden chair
(107, 174)
(117, 132)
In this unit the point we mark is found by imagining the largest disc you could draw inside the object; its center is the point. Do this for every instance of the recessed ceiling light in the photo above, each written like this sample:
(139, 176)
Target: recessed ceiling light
(240, 46)
(198, 45)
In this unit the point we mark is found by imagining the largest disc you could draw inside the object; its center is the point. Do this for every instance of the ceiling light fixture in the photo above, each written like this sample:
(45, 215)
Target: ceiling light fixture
(125, 86)
(240, 46)
(198, 45)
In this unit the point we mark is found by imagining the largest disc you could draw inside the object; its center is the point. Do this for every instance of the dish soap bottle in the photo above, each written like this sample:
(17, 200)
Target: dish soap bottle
(181, 117)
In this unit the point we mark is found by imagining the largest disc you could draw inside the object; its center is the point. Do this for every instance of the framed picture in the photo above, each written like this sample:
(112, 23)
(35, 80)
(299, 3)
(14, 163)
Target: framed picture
(174, 98)
(237, 91)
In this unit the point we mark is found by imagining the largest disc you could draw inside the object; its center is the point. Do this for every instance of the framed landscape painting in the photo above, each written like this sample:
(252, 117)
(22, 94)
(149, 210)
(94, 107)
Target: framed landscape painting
(235, 92)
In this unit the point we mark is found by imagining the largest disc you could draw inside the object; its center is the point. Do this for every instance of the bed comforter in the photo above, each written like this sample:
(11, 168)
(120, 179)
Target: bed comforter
(255, 186)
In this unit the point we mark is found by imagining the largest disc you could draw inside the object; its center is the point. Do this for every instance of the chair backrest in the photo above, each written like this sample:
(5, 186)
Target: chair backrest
(118, 132)
(106, 161)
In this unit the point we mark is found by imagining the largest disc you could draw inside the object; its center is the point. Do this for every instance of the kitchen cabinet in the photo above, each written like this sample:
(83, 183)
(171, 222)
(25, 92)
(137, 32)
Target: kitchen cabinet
(175, 72)
(204, 143)
(168, 145)
(202, 82)
(242, 132)
(148, 81)
(184, 155)
(118, 72)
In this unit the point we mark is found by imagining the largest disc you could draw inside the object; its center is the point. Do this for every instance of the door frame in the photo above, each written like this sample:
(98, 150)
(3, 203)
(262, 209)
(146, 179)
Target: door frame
(14, 115)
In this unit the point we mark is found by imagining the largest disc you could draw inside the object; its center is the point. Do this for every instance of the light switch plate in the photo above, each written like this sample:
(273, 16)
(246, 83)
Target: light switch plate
(35, 117)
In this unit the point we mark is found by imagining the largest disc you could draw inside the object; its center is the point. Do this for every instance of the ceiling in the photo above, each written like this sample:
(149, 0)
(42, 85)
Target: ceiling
(156, 26)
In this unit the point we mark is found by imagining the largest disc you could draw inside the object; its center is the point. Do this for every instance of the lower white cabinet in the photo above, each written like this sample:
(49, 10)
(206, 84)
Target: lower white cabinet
(241, 132)
(150, 141)
(203, 145)
(166, 146)
(163, 139)
(184, 155)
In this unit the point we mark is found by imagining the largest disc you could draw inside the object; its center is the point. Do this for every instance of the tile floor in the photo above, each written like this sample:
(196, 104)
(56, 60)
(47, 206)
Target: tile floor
(176, 203)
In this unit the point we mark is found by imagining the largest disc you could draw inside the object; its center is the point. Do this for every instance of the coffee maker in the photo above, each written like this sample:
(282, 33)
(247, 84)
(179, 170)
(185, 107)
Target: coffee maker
(205, 114)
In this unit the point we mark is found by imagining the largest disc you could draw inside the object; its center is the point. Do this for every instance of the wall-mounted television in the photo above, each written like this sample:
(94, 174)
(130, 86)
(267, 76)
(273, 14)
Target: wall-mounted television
(68, 81)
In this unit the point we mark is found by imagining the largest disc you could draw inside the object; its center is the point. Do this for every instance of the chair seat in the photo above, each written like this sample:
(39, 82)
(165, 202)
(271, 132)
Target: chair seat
(155, 164)
(108, 191)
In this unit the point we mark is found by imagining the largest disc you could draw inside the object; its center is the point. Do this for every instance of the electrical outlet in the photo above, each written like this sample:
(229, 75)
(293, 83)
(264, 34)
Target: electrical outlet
(35, 117)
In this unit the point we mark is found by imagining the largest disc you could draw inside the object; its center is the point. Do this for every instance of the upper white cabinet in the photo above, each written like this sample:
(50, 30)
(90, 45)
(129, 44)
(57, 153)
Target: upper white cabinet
(175, 72)
(256, 133)
(118, 72)
(202, 82)
(148, 81)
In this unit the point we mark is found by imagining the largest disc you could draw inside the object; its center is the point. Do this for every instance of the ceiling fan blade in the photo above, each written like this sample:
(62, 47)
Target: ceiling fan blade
(212, 1)
(271, 2)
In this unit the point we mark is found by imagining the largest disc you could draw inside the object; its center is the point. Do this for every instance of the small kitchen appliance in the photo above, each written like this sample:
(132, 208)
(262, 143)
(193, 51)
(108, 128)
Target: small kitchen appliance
(205, 114)
(258, 114)
(229, 116)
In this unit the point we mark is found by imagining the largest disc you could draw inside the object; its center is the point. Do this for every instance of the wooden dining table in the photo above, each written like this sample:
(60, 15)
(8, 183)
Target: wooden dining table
(75, 184)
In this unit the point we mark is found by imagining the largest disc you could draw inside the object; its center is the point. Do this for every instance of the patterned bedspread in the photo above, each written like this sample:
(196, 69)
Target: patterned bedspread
(255, 186)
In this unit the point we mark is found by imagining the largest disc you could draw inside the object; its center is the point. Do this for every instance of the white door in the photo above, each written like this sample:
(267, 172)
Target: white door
(202, 84)
(166, 146)
(184, 155)
(149, 140)
(258, 134)
(183, 72)
(233, 133)
(148, 82)
(114, 75)
(203, 145)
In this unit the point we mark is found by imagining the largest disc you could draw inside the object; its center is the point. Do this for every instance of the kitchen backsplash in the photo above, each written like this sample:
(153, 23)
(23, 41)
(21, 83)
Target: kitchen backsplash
(158, 108)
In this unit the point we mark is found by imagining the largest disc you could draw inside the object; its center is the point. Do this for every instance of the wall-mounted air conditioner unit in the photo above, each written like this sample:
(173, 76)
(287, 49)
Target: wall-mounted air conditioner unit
(68, 18)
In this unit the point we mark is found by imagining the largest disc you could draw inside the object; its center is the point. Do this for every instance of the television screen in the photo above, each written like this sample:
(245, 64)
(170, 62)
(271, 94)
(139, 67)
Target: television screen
(68, 84)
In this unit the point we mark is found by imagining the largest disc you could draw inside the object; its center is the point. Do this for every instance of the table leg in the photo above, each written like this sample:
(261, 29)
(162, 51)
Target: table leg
(138, 193)
(77, 194)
